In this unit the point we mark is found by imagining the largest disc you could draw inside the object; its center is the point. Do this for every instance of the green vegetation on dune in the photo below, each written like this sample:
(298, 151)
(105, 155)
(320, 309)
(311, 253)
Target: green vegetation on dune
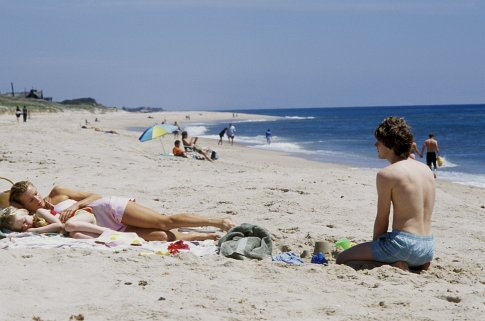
(9, 103)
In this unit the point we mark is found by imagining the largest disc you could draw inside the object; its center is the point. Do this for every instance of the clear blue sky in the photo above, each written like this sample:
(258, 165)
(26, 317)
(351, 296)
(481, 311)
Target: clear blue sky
(228, 54)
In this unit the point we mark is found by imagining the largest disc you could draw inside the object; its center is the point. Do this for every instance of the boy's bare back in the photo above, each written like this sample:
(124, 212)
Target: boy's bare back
(412, 194)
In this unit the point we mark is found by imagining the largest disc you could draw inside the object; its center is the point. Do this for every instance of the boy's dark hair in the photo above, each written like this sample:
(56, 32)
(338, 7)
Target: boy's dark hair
(395, 134)
(431, 135)
(184, 134)
(177, 142)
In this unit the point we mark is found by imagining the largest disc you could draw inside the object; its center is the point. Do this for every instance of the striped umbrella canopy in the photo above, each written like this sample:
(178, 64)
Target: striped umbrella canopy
(153, 132)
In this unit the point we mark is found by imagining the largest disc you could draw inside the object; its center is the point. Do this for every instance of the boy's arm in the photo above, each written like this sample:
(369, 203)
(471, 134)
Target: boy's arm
(384, 187)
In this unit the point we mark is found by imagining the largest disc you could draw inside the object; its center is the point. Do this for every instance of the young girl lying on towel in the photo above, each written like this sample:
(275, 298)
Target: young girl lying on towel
(82, 225)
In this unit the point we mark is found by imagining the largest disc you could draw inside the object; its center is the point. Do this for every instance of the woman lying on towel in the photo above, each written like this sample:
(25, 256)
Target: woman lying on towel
(116, 213)
(82, 225)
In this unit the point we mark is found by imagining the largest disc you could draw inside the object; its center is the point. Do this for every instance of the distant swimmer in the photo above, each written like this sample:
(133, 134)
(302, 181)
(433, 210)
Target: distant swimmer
(432, 149)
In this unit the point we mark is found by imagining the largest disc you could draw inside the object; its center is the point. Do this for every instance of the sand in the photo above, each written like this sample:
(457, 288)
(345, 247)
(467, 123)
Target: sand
(298, 201)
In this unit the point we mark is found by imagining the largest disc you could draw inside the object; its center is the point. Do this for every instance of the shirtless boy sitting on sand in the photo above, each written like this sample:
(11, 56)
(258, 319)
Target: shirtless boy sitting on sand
(410, 187)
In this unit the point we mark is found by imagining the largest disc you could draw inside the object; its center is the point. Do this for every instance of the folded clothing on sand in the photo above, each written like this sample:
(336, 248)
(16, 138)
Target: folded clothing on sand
(246, 241)
(288, 257)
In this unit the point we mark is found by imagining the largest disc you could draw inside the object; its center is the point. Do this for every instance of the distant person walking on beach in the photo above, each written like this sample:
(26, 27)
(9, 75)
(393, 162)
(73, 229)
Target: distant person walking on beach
(24, 114)
(431, 145)
(18, 112)
(231, 131)
(408, 188)
(221, 135)
(268, 136)
(177, 131)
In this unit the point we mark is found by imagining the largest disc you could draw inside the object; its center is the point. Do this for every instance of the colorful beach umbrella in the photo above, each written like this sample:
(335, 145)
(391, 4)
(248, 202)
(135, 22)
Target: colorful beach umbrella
(157, 131)
(153, 132)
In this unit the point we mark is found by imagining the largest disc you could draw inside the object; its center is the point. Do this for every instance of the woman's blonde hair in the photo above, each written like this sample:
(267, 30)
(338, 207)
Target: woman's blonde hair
(16, 190)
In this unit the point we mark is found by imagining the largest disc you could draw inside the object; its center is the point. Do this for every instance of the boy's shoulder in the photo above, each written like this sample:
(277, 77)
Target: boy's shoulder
(405, 168)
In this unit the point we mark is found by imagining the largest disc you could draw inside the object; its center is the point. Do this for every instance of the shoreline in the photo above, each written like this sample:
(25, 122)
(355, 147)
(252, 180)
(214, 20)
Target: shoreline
(460, 178)
(298, 201)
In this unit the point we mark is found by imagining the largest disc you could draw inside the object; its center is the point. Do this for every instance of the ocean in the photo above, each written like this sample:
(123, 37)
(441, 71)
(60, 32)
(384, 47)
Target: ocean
(346, 135)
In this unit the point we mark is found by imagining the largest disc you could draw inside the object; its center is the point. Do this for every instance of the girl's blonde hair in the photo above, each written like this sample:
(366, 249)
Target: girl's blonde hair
(6, 217)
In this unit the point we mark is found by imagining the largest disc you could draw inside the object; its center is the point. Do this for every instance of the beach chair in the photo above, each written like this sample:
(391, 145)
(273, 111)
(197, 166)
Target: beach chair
(4, 195)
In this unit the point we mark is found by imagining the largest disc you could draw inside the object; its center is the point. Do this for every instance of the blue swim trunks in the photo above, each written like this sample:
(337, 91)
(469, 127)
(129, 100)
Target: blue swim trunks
(397, 245)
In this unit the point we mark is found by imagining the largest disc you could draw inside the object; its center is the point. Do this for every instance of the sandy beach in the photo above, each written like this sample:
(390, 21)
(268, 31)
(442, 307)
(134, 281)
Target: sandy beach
(298, 201)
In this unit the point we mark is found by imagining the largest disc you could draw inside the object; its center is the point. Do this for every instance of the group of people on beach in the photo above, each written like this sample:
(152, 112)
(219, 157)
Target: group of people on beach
(406, 185)
(230, 132)
(87, 215)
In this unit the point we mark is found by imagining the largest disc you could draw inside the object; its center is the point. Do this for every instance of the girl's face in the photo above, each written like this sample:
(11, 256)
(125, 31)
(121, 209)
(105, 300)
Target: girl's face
(31, 200)
(22, 220)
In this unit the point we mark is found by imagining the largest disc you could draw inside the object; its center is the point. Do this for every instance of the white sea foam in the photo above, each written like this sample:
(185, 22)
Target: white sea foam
(254, 120)
(196, 130)
(299, 117)
(477, 180)
(282, 147)
(447, 163)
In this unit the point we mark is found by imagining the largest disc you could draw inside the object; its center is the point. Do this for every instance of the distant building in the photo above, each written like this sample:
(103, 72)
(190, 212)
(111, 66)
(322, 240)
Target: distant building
(36, 94)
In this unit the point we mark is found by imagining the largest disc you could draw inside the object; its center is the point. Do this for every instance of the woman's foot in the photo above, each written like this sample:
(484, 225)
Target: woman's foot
(227, 224)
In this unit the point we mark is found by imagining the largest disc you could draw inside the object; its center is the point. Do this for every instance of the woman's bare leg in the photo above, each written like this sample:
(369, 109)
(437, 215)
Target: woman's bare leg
(149, 234)
(193, 236)
(136, 215)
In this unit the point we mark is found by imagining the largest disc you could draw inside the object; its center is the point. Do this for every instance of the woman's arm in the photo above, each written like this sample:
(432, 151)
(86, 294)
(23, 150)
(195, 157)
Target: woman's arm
(82, 198)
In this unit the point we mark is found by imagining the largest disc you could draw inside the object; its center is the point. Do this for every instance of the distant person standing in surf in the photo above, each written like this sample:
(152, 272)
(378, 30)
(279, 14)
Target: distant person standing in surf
(231, 132)
(431, 145)
(268, 135)
(221, 135)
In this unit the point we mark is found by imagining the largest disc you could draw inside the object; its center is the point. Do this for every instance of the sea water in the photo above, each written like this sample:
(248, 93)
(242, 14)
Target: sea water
(346, 135)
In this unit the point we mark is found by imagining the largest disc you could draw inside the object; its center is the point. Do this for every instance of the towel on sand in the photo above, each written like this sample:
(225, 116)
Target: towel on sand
(31, 240)
(246, 241)
(288, 257)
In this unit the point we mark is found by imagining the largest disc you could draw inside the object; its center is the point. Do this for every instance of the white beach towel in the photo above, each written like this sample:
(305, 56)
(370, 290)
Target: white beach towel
(30, 240)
